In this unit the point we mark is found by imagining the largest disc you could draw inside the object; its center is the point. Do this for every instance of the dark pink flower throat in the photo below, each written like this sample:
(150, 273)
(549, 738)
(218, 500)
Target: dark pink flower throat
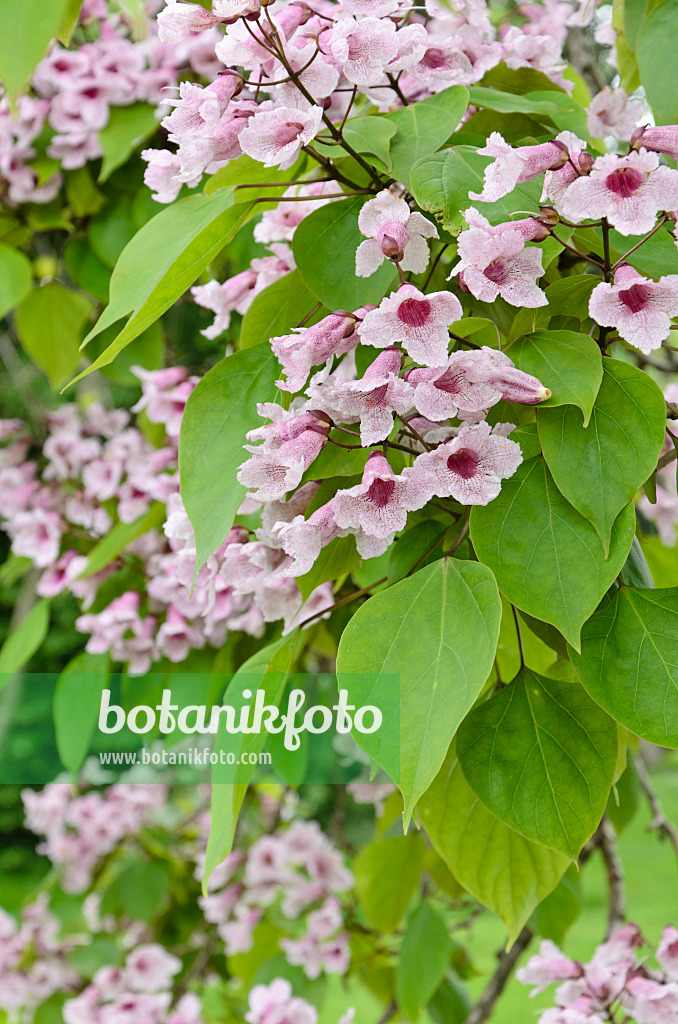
(464, 463)
(381, 491)
(414, 312)
(624, 182)
(636, 297)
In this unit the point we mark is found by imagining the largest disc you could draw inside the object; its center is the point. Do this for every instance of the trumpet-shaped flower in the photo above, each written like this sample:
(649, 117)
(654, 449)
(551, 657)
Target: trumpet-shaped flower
(378, 506)
(494, 260)
(639, 308)
(470, 468)
(512, 167)
(416, 321)
(393, 232)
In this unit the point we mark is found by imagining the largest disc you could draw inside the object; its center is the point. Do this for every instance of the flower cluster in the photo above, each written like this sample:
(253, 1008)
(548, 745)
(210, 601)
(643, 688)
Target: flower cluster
(273, 1003)
(299, 868)
(80, 830)
(291, 66)
(97, 468)
(76, 87)
(614, 981)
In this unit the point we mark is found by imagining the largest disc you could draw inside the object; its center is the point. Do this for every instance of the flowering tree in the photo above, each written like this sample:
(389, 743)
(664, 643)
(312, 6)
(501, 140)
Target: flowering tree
(436, 456)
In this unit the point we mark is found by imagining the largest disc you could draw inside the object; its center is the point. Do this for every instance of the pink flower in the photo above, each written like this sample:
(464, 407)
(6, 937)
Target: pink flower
(231, 9)
(37, 535)
(470, 468)
(494, 260)
(512, 167)
(362, 49)
(57, 577)
(393, 232)
(628, 190)
(667, 952)
(275, 1004)
(275, 137)
(416, 321)
(556, 182)
(497, 369)
(178, 20)
(279, 464)
(303, 539)
(547, 967)
(651, 1002)
(611, 112)
(234, 294)
(150, 968)
(639, 308)
(176, 637)
(659, 140)
(372, 8)
(311, 346)
(372, 400)
(379, 505)
(441, 391)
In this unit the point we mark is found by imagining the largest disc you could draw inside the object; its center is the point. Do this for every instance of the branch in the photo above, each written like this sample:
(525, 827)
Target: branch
(615, 876)
(660, 823)
(507, 962)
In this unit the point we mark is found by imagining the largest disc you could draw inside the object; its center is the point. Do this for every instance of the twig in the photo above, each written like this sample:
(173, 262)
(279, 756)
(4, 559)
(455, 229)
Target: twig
(654, 231)
(581, 255)
(433, 266)
(388, 1014)
(660, 823)
(615, 876)
(344, 600)
(428, 551)
(482, 1011)
(606, 249)
(667, 459)
(520, 638)
(460, 536)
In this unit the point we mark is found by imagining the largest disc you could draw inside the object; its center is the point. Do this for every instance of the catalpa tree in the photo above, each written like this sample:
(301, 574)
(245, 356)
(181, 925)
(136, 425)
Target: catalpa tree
(438, 455)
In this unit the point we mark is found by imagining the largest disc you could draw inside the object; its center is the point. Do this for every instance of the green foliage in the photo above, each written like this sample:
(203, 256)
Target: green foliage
(541, 756)
(599, 468)
(548, 559)
(26, 29)
(139, 890)
(324, 250)
(437, 631)
(49, 323)
(654, 53)
(424, 958)
(568, 363)
(219, 413)
(423, 127)
(513, 875)
(116, 540)
(16, 277)
(127, 129)
(557, 913)
(629, 661)
(77, 697)
(387, 873)
(24, 640)
(267, 670)
(275, 311)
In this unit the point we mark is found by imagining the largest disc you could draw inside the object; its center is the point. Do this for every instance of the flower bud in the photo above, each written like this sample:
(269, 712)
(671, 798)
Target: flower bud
(392, 249)
(585, 162)
(549, 216)
(561, 160)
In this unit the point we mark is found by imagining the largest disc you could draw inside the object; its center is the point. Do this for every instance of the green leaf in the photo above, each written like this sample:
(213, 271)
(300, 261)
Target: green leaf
(162, 260)
(140, 891)
(655, 56)
(127, 128)
(507, 873)
(117, 539)
(277, 309)
(438, 631)
(49, 323)
(69, 19)
(568, 296)
(541, 755)
(626, 797)
(371, 135)
(77, 697)
(568, 363)
(24, 640)
(16, 277)
(599, 468)
(423, 127)
(325, 245)
(267, 670)
(219, 413)
(557, 913)
(441, 184)
(451, 1003)
(84, 198)
(26, 29)
(423, 961)
(636, 571)
(335, 560)
(629, 662)
(387, 874)
(547, 558)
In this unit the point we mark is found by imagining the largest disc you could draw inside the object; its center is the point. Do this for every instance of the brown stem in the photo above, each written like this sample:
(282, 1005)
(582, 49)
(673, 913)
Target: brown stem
(615, 876)
(660, 823)
(654, 231)
(482, 1011)
(607, 262)
(344, 600)
(428, 551)
(519, 634)
(435, 263)
(460, 536)
(581, 255)
(398, 91)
